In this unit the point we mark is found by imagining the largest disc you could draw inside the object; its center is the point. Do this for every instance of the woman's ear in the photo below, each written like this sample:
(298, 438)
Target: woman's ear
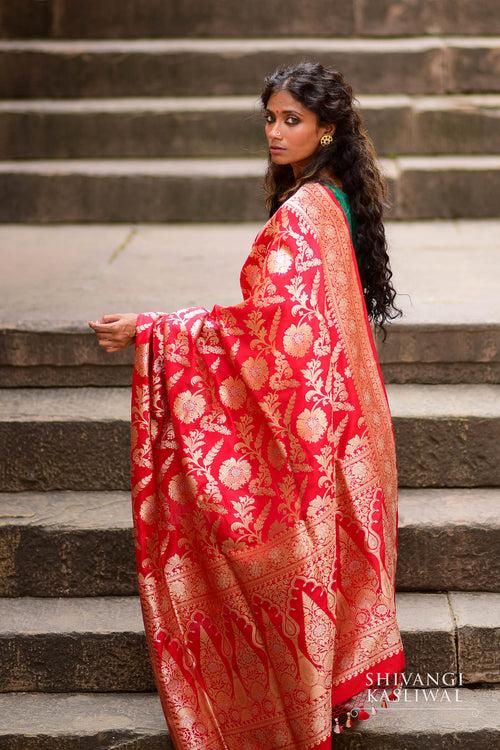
(328, 130)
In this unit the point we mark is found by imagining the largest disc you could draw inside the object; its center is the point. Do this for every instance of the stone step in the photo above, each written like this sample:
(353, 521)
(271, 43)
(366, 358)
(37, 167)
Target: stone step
(53, 355)
(90, 721)
(97, 644)
(204, 67)
(80, 543)
(79, 438)
(224, 190)
(449, 539)
(478, 635)
(443, 434)
(446, 720)
(232, 19)
(191, 127)
(92, 270)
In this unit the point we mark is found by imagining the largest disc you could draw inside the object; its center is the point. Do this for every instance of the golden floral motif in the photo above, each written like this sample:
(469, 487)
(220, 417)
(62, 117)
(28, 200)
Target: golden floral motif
(189, 406)
(359, 471)
(251, 273)
(178, 588)
(223, 578)
(234, 473)
(255, 371)
(180, 488)
(312, 424)
(232, 392)
(297, 339)
(148, 510)
(279, 261)
(276, 452)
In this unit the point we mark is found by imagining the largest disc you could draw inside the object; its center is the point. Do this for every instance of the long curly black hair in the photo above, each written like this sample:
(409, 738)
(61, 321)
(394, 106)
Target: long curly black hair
(352, 159)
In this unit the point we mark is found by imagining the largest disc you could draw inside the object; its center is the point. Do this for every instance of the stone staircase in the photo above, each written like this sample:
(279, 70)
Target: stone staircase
(131, 157)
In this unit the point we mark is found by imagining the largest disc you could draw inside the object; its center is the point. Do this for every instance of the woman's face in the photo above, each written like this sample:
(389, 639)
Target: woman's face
(292, 131)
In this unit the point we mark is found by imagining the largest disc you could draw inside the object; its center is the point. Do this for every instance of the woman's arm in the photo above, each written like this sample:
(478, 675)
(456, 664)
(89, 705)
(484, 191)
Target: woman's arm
(116, 331)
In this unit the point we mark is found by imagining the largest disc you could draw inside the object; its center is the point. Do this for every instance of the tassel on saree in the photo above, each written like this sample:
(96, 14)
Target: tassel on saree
(363, 715)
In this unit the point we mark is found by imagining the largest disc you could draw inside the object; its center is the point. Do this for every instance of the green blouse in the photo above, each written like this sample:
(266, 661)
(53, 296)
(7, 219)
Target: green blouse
(344, 202)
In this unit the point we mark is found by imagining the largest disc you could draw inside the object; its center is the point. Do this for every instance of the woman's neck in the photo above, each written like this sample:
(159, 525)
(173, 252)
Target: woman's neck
(323, 175)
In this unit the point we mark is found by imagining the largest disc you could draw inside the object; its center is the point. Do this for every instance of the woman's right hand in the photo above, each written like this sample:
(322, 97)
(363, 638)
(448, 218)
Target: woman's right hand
(116, 331)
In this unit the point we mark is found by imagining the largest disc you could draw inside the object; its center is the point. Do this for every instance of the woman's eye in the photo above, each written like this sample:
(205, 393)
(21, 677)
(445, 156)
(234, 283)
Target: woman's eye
(289, 120)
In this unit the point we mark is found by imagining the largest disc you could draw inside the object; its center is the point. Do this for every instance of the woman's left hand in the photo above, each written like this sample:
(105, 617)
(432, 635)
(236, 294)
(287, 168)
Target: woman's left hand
(115, 332)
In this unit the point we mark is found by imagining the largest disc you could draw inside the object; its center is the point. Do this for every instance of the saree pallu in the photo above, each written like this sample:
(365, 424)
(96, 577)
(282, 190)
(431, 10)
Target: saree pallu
(264, 495)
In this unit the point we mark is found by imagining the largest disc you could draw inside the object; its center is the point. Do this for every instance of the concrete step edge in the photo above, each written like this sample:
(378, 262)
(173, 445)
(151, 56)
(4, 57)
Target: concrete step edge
(231, 167)
(108, 510)
(418, 612)
(217, 103)
(239, 45)
(77, 404)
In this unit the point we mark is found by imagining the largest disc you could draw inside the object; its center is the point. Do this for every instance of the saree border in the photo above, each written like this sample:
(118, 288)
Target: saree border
(338, 254)
(329, 225)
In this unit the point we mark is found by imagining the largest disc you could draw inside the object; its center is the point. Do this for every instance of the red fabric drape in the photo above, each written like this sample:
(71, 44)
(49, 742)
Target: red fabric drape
(264, 494)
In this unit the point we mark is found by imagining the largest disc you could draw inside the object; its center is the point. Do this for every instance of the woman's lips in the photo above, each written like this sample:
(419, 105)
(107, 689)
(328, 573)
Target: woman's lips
(277, 148)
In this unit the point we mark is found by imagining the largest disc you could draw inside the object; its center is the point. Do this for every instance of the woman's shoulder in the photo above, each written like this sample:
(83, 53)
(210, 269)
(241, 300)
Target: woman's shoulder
(306, 192)
(310, 203)
(317, 201)
(317, 195)
(319, 187)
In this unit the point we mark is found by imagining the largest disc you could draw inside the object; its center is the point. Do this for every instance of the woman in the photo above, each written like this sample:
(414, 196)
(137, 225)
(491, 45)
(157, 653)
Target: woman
(264, 477)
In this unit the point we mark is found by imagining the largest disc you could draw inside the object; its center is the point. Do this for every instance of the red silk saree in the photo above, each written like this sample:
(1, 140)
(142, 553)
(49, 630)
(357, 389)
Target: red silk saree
(264, 495)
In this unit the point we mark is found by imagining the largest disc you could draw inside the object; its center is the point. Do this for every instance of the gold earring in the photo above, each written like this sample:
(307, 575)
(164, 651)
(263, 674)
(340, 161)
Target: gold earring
(326, 139)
